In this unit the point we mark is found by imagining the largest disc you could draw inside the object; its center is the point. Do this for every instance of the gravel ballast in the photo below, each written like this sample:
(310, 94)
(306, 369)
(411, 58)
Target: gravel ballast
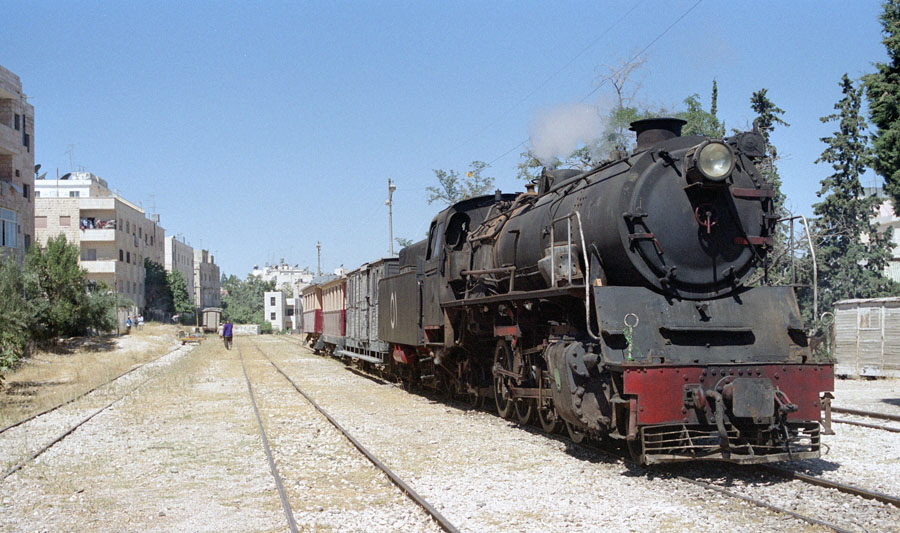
(183, 452)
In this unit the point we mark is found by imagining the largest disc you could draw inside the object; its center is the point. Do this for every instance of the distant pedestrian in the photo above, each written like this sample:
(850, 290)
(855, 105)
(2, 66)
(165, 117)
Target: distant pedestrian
(140, 322)
(227, 330)
(127, 324)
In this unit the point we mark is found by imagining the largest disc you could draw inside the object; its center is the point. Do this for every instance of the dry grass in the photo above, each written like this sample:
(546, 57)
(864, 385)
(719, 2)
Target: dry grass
(73, 366)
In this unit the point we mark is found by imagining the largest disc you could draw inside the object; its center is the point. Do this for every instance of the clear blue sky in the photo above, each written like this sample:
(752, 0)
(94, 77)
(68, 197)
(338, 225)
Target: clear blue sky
(260, 128)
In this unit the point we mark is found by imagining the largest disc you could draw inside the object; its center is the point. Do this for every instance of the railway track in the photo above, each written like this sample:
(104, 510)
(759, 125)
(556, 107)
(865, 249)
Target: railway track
(866, 414)
(82, 395)
(842, 488)
(407, 490)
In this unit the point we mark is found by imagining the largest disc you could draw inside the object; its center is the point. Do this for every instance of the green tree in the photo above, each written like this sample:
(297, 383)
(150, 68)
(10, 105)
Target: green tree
(767, 117)
(883, 95)
(851, 253)
(244, 302)
(700, 121)
(452, 188)
(58, 290)
(181, 302)
(157, 294)
(15, 313)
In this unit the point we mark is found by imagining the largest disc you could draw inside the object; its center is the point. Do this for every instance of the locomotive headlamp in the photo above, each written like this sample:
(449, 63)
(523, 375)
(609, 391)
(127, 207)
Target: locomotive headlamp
(714, 160)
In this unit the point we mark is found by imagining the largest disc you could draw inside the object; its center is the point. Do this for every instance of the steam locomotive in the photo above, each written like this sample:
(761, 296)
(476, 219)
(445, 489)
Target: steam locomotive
(612, 302)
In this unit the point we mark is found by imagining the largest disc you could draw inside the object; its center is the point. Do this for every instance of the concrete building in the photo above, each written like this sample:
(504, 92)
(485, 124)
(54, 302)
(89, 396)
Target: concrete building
(180, 257)
(114, 235)
(16, 168)
(207, 280)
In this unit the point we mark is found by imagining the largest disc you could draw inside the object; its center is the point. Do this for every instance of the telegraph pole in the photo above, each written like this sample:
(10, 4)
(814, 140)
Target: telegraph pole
(318, 259)
(390, 203)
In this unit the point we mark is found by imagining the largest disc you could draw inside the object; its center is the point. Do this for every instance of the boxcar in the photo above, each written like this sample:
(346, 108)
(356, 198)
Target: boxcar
(211, 316)
(362, 341)
(867, 337)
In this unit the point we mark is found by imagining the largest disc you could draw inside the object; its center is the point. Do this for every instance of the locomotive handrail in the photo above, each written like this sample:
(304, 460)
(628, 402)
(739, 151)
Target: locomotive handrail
(587, 264)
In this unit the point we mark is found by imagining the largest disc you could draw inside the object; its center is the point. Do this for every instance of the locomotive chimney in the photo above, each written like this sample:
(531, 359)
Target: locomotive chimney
(654, 130)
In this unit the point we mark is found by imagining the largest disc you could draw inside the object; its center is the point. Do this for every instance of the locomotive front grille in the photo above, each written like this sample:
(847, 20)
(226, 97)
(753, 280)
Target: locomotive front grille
(683, 442)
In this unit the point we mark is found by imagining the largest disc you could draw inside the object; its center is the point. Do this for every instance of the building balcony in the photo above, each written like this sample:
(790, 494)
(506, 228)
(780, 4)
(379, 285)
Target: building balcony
(102, 266)
(95, 235)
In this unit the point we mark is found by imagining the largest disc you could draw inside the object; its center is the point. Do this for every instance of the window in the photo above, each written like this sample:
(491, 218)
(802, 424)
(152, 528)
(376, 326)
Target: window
(89, 254)
(140, 235)
(272, 300)
(25, 189)
(16, 121)
(74, 194)
(127, 226)
(37, 194)
(40, 222)
(128, 257)
(121, 258)
(272, 316)
(9, 229)
(65, 220)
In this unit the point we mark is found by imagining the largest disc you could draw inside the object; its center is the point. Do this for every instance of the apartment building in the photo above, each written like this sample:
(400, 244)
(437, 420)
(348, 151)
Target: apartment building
(113, 234)
(284, 274)
(180, 257)
(16, 168)
(207, 280)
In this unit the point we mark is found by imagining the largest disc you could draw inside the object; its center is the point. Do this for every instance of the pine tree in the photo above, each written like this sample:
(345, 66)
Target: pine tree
(851, 253)
(883, 95)
(767, 117)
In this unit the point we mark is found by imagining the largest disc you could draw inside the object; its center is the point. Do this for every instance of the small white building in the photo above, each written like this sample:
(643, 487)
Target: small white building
(281, 312)
(284, 275)
(886, 218)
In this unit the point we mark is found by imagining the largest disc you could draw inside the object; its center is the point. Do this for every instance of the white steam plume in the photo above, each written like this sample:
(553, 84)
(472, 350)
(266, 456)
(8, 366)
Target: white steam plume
(558, 131)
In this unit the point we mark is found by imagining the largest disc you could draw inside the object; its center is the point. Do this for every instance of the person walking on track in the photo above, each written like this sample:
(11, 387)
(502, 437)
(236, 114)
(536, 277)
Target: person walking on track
(227, 330)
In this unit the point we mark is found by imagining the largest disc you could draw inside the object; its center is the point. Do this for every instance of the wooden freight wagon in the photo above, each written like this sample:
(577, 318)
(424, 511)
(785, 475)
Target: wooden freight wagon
(867, 337)
(362, 340)
(333, 312)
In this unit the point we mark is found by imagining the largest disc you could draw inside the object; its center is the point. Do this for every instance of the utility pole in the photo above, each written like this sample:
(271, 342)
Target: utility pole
(390, 203)
(318, 259)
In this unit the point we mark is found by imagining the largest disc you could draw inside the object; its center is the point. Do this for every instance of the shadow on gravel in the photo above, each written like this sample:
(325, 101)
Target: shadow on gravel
(891, 401)
(727, 474)
(68, 346)
(29, 388)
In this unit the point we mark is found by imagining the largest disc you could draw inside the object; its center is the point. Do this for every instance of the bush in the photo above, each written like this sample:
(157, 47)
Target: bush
(265, 328)
(15, 314)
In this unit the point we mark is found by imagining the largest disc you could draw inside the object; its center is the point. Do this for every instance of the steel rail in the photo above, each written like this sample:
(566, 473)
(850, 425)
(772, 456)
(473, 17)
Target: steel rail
(840, 487)
(83, 394)
(68, 432)
(402, 485)
(761, 503)
(702, 484)
(870, 414)
(865, 425)
(285, 504)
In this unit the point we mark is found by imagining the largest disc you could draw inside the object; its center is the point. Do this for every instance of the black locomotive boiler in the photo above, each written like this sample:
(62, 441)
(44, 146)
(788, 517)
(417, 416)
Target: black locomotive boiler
(615, 302)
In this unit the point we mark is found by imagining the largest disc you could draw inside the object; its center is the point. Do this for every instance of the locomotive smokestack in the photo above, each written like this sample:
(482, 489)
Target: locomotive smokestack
(654, 130)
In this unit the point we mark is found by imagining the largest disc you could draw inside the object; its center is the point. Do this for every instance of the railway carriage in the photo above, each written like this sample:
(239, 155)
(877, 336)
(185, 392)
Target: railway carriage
(362, 341)
(334, 313)
(312, 323)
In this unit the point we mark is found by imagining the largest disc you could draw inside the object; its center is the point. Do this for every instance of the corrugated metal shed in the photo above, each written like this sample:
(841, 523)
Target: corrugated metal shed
(867, 337)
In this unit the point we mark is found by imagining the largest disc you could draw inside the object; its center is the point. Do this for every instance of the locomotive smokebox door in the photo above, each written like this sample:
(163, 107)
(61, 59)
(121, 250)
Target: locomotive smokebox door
(753, 398)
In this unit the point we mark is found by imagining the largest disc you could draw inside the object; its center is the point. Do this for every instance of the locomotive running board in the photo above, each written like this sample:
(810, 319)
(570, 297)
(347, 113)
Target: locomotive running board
(575, 291)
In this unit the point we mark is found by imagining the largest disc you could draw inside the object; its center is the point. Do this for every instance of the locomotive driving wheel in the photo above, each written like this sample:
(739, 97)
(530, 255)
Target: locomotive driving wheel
(575, 434)
(503, 360)
(547, 417)
(524, 410)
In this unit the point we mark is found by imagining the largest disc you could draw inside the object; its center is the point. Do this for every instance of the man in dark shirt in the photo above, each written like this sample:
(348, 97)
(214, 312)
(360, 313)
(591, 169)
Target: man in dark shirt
(227, 329)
